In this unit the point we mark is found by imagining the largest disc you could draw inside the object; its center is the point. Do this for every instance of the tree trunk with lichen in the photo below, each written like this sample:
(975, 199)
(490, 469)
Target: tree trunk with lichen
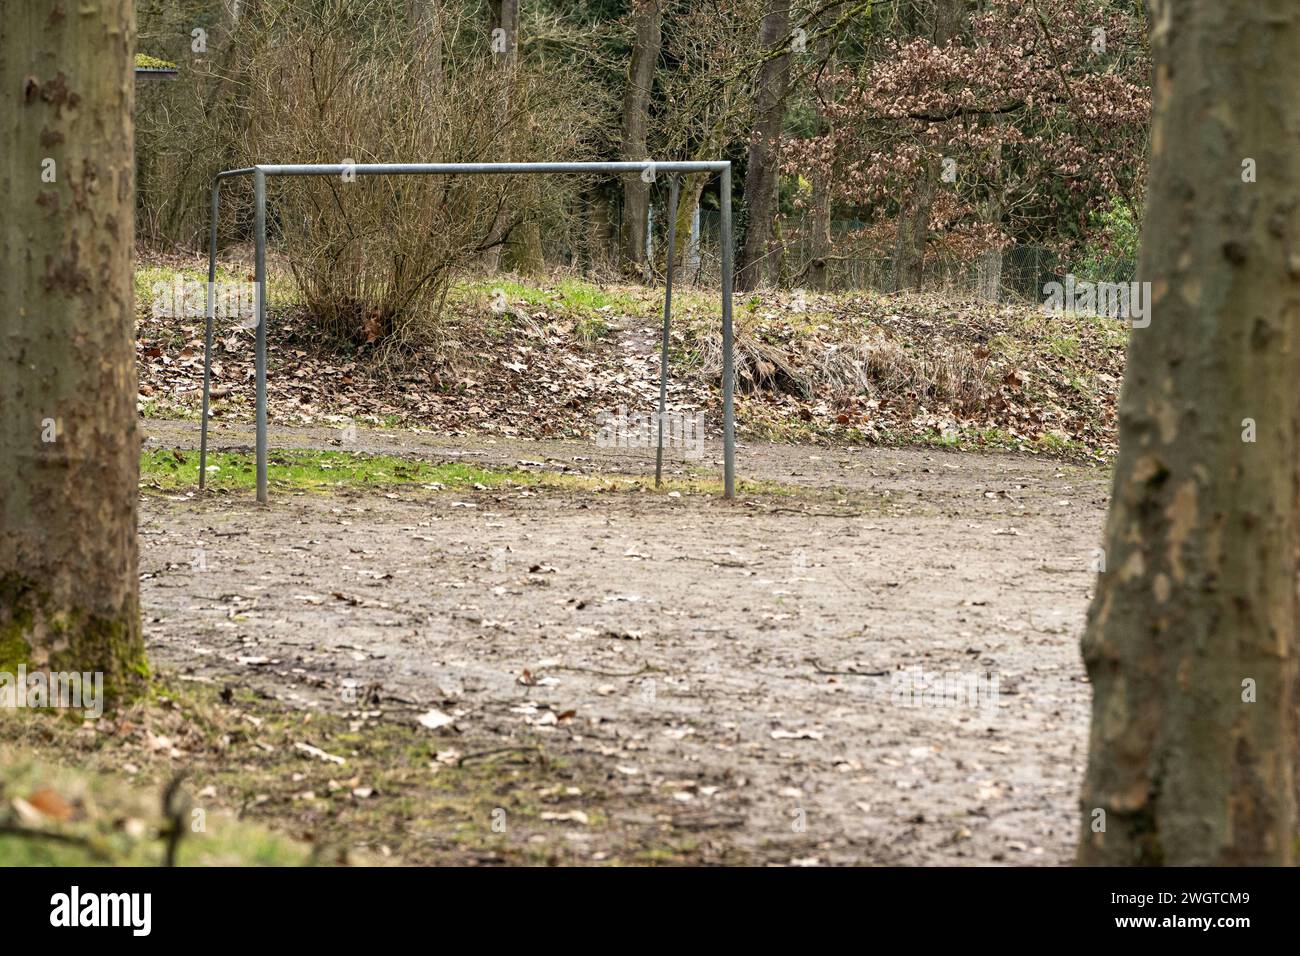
(819, 232)
(1191, 638)
(819, 209)
(69, 448)
(647, 21)
(692, 188)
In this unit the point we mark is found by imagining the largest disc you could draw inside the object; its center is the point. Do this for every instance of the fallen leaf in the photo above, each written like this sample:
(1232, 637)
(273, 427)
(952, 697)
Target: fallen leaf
(319, 754)
(434, 719)
(51, 803)
(572, 816)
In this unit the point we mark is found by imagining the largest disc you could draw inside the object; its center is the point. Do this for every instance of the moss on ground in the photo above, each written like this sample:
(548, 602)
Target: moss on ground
(361, 786)
(169, 469)
(173, 470)
(144, 61)
(15, 622)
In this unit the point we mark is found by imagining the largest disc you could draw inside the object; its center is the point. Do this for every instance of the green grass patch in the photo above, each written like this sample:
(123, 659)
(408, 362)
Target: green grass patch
(55, 815)
(172, 469)
(143, 61)
(568, 296)
(157, 285)
(591, 329)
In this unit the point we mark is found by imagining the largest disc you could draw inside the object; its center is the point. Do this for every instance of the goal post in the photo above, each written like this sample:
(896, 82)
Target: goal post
(261, 173)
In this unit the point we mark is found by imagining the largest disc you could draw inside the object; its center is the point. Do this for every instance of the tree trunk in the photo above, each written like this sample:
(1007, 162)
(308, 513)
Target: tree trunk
(913, 228)
(819, 212)
(504, 40)
(524, 249)
(990, 263)
(685, 238)
(990, 275)
(819, 233)
(69, 448)
(913, 232)
(693, 261)
(763, 165)
(647, 24)
(425, 19)
(601, 240)
(1191, 637)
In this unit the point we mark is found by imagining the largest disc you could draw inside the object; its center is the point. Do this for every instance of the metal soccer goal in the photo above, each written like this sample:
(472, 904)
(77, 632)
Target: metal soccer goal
(672, 169)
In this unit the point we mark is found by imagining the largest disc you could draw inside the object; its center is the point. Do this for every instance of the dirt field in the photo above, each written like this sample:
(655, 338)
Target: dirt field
(726, 668)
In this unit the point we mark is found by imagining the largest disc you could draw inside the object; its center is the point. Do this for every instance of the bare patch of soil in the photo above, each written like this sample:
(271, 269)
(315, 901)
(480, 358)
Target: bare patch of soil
(726, 669)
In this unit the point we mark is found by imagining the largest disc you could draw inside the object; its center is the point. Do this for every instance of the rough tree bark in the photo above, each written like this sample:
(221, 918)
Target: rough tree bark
(692, 188)
(69, 448)
(523, 251)
(913, 231)
(819, 233)
(763, 164)
(647, 18)
(1191, 637)
(990, 262)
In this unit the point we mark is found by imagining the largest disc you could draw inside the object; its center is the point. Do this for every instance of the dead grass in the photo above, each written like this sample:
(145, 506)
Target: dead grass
(896, 369)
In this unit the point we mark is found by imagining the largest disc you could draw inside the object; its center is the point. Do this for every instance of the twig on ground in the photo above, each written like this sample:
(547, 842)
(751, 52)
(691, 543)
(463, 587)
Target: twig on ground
(26, 833)
(497, 751)
(175, 805)
(645, 669)
(814, 514)
(826, 670)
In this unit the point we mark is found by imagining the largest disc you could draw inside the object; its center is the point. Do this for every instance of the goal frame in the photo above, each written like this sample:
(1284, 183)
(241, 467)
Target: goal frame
(673, 169)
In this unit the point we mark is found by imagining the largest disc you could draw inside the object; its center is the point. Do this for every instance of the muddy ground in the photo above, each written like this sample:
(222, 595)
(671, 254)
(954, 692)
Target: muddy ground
(727, 670)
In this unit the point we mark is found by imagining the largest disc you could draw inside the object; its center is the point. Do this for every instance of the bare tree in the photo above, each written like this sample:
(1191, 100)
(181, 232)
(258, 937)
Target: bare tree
(763, 166)
(425, 18)
(819, 218)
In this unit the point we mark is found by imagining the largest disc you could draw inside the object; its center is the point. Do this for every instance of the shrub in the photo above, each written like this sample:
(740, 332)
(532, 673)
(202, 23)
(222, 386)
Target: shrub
(1110, 254)
(350, 81)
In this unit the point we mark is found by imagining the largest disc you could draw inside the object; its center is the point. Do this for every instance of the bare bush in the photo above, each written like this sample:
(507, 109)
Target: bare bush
(349, 82)
(176, 143)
